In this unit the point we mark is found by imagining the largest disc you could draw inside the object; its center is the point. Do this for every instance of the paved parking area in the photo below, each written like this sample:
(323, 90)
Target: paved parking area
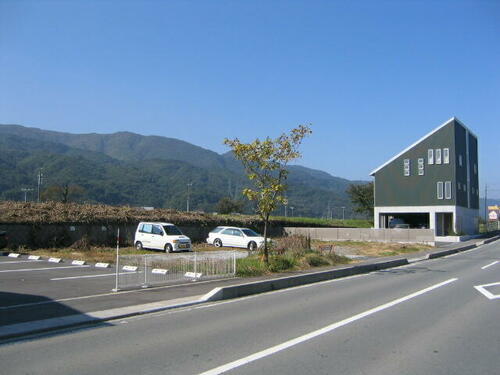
(37, 289)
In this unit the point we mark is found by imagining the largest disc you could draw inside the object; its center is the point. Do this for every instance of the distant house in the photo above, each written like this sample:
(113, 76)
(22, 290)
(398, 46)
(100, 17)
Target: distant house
(431, 184)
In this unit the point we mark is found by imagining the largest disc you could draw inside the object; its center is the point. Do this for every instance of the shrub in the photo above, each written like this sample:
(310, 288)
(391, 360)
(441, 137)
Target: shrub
(316, 260)
(250, 266)
(337, 259)
(82, 244)
(296, 244)
(281, 263)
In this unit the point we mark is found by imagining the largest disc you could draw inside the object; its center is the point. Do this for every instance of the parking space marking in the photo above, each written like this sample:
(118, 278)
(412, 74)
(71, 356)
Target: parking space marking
(41, 269)
(90, 276)
(489, 265)
(103, 295)
(19, 261)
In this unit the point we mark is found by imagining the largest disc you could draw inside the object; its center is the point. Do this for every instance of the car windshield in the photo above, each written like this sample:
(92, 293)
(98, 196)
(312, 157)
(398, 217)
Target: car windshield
(250, 233)
(172, 230)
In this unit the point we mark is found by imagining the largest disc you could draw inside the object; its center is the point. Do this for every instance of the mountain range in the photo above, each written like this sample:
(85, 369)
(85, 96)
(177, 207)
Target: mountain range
(128, 168)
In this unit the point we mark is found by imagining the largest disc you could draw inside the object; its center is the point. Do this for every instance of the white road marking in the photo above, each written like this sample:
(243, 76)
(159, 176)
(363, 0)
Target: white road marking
(489, 265)
(20, 261)
(287, 344)
(482, 289)
(103, 295)
(42, 269)
(90, 276)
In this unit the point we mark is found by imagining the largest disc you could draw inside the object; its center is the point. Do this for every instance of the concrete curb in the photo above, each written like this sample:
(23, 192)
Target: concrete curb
(443, 253)
(241, 290)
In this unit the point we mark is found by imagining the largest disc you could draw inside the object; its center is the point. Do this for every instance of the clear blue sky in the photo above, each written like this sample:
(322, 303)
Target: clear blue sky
(371, 76)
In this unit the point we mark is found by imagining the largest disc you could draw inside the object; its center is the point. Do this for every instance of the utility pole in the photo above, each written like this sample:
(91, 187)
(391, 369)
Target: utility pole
(40, 181)
(343, 213)
(25, 191)
(188, 192)
(486, 205)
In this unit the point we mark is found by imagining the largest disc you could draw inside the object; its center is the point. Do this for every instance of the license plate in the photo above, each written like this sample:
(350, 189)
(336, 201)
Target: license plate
(183, 246)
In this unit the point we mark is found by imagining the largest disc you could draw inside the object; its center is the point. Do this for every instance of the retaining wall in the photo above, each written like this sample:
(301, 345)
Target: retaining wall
(366, 234)
(63, 235)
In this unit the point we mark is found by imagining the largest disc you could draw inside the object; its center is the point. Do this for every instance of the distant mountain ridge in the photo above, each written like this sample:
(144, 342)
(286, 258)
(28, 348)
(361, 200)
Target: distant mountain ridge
(128, 168)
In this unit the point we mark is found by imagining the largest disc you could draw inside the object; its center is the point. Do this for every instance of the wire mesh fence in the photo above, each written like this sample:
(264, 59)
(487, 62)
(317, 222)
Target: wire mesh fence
(151, 269)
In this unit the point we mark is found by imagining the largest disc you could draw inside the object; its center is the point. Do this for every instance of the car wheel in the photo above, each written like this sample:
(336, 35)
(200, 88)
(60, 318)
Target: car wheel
(252, 246)
(138, 245)
(217, 242)
(168, 248)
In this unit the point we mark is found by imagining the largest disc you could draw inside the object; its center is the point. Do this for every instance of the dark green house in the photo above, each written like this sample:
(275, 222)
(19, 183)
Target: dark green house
(431, 184)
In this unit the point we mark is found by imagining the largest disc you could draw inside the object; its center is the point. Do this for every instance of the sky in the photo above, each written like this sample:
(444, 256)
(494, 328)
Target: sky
(370, 77)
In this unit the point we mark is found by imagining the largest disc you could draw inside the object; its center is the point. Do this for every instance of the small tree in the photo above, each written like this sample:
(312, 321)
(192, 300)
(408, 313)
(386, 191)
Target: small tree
(362, 197)
(63, 193)
(227, 205)
(265, 163)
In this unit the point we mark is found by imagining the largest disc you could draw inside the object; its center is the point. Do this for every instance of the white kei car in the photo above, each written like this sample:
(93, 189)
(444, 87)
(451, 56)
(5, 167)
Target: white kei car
(161, 236)
(235, 237)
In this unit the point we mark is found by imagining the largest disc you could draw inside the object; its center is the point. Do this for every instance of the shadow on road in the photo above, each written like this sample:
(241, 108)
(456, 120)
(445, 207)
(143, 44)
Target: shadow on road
(23, 314)
(408, 270)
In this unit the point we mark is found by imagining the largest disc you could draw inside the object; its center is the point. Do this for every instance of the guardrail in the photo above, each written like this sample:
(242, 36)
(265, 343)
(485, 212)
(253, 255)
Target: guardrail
(134, 271)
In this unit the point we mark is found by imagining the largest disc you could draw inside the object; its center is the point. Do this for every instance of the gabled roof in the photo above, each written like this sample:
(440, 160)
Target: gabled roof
(420, 140)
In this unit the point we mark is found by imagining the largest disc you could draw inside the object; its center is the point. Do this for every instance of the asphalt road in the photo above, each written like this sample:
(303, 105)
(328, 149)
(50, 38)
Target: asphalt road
(432, 317)
(34, 290)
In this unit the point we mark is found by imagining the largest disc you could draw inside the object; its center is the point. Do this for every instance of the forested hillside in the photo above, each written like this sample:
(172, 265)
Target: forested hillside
(127, 168)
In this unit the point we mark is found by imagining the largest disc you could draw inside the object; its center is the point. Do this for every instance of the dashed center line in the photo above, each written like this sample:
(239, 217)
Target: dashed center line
(489, 265)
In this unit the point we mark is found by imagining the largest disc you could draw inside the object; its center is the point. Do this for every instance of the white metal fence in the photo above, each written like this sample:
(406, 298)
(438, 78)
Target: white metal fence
(151, 269)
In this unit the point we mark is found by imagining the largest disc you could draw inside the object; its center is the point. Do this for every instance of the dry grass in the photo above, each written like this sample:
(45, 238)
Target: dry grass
(94, 254)
(61, 213)
(56, 212)
(372, 249)
(104, 254)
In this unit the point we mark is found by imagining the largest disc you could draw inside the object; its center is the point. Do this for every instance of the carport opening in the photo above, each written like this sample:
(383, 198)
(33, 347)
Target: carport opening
(417, 220)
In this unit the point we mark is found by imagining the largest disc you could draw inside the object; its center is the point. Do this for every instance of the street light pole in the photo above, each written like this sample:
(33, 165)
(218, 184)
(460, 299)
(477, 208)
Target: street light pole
(343, 213)
(40, 180)
(25, 191)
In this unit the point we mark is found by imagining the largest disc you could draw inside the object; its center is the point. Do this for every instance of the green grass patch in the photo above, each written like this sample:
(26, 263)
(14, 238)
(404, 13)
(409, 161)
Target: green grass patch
(281, 263)
(250, 266)
(351, 223)
(316, 260)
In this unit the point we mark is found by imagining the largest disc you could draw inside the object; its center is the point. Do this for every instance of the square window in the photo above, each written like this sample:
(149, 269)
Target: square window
(430, 156)
(440, 190)
(438, 156)
(446, 156)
